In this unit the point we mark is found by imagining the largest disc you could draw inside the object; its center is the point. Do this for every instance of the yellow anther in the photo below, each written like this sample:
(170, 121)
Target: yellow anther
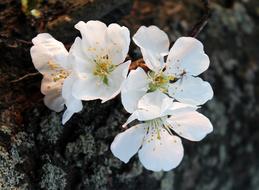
(52, 65)
(61, 74)
(103, 67)
(91, 49)
(159, 81)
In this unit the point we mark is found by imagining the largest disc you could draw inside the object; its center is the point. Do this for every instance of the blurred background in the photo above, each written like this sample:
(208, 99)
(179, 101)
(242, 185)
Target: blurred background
(37, 152)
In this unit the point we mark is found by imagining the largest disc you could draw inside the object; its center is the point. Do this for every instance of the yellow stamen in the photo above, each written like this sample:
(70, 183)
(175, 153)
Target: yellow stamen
(159, 81)
(52, 65)
(57, 72)
(103, 68)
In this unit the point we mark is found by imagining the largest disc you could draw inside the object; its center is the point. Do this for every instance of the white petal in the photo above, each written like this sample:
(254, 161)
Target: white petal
(77, 49)
(78, 58)
(187, 55)
(177, 107)
(67, 92)
(87, 88)
(131, 118)
(152, 39)
(126, 144)
(73, 105)
(154, 44)
(164, 153)
(45, 50)
(42, 38)
(118, 43)
(155, 105)
(48, 85)
(134, 87)
(54, 102)
(66, 116)
(145, 115)
(91, 87)
(52, 91)
(152, 100)
(92, 31)
(191, 90)
(94, 37)
(191, 125)
(153, 61)
(150, 106)
(79, 61)
(116, 79)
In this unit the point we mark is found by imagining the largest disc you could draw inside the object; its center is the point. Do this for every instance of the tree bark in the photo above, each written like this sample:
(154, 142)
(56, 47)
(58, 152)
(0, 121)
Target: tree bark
(37, 152)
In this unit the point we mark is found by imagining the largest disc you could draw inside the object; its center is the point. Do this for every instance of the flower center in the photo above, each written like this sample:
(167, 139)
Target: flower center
(60, 74)
(103, 68)
(154, 129)
(57, 72)
(159, 81)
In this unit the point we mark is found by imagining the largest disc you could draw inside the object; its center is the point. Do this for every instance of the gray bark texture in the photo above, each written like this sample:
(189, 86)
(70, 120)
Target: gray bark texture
(37, 152)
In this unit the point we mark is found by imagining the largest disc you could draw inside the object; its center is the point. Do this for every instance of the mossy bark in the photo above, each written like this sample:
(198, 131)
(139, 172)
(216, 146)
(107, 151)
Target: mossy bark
(37, 152)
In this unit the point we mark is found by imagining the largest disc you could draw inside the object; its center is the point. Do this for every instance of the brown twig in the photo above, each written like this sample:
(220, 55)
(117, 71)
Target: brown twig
(24, 77)
(198, 27)
(138, 63)
(203, 21)
(24, 41)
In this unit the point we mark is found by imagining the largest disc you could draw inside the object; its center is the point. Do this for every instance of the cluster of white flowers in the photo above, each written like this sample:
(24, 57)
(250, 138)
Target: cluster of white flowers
(164, 99)
(94, 67)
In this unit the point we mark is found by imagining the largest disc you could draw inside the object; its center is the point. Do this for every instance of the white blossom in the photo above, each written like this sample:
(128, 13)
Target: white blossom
(51, 59)
(99, 60)
(176, 77)
(157, 147)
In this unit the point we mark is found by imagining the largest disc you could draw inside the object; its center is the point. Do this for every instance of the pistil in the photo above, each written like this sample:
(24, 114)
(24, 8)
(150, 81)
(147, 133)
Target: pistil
(159, 81)
(103, 68)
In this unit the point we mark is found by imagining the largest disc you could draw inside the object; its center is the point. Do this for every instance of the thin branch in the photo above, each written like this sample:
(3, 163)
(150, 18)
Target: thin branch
(138, 63)
(25, 76)
(203, 21)
(8, 40)
(24, 41)
(198, 27)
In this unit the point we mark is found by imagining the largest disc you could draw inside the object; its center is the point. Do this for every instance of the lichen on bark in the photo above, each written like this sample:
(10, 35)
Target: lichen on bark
(37, 152)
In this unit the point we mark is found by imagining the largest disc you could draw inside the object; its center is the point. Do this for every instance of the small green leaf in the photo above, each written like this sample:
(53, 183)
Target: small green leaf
(105, 80)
